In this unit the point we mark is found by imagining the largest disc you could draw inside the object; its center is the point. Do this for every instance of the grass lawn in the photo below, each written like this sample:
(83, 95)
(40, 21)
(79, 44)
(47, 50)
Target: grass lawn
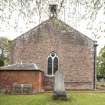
(74, 98)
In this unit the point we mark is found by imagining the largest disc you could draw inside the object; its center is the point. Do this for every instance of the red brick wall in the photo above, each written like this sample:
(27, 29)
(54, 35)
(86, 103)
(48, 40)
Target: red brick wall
(8, 78)
(75, 52)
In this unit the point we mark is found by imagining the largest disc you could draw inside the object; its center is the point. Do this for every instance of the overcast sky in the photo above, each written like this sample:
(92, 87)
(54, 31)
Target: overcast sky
(81, 25)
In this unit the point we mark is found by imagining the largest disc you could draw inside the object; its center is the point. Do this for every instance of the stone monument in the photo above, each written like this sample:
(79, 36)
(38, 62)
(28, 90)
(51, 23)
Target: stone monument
(59, 88)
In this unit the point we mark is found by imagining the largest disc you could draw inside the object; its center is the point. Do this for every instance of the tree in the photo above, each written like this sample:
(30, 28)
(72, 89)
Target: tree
(101, 64)
(26, 11)
(6, 45)
(1, 62)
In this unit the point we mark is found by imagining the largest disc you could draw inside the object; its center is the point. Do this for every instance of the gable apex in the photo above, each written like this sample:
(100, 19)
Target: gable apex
(57, 25)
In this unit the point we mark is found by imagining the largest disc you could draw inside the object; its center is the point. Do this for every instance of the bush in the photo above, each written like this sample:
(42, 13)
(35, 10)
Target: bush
(1, 62)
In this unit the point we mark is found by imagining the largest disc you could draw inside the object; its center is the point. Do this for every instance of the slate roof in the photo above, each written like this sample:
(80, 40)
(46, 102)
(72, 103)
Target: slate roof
(21, 66)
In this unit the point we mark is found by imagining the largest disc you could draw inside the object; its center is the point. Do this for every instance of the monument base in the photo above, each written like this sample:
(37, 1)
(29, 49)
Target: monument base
(59, 96)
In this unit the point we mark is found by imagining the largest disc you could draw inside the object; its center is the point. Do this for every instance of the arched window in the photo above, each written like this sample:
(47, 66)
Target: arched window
(52, 63)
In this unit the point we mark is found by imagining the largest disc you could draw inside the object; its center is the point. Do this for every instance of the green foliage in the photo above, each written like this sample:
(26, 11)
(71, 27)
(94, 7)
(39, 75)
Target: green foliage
(1, 62)
(101, 64)
(6, 44)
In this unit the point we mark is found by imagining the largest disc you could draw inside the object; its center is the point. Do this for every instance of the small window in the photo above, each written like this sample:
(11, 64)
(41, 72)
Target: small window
(52, 63)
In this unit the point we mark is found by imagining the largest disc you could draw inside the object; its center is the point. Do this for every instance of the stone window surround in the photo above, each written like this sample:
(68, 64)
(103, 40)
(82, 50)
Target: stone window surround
(50, 55)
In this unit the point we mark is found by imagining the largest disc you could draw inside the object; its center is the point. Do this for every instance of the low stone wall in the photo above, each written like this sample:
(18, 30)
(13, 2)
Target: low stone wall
(21, 81)
(48, 83)
(79, 85)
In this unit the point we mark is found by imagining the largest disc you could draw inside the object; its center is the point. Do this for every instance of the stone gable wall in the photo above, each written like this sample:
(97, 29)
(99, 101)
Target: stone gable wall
(75, 53)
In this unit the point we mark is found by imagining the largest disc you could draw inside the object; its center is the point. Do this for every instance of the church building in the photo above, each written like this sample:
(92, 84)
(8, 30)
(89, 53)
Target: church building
(54, 45)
